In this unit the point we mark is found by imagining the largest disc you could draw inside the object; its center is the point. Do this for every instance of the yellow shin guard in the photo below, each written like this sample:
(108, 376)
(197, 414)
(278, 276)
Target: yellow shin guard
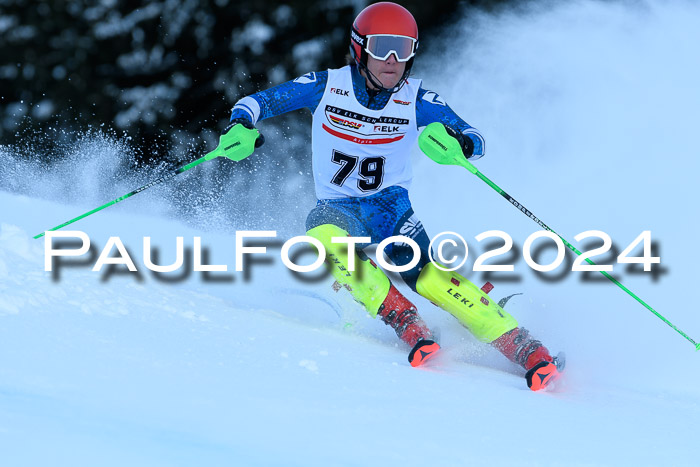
(466, 302)
(367, 283)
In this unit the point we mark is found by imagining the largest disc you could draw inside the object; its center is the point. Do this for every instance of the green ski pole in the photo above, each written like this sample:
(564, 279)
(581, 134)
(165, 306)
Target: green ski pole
(236, 145)
(437, 144)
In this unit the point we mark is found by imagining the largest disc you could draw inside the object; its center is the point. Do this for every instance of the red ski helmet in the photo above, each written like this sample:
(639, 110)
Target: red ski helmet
(383, 29)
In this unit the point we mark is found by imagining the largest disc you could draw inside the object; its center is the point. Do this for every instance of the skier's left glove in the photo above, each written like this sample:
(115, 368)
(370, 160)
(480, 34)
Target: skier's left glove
(239, 139)
(464, 141)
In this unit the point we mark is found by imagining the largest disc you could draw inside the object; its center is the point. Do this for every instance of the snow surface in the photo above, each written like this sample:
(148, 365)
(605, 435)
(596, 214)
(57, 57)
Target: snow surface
(589, 112)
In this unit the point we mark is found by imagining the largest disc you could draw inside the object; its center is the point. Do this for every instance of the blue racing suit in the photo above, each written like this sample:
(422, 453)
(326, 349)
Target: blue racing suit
(379, 215)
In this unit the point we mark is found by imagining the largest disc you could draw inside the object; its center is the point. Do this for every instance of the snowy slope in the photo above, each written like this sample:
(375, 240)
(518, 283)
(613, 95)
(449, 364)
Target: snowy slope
(178, 375)
(268, 370)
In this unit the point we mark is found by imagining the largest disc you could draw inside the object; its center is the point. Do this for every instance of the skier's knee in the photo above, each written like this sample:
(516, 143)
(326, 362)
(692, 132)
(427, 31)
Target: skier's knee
(326, 232)
(366, 282)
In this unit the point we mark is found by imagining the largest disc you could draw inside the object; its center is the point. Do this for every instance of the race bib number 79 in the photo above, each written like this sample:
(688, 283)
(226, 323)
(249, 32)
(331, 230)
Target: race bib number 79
(371, 170)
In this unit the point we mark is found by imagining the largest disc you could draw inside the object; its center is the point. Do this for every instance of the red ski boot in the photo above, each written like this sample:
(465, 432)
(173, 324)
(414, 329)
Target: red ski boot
(519, 347)
(399, 313)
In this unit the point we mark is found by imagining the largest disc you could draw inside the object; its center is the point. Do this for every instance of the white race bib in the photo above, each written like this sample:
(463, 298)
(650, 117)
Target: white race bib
(358, 151)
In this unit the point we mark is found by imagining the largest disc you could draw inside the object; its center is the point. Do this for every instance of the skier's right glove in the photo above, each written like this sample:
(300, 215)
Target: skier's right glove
(464, 141)
(239, 139)
(248, 125)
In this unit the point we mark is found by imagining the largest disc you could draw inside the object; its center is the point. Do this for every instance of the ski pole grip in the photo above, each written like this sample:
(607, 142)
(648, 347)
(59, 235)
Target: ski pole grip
(442, 148)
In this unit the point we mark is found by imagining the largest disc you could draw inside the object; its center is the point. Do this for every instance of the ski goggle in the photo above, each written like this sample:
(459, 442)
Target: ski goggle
(381, 46)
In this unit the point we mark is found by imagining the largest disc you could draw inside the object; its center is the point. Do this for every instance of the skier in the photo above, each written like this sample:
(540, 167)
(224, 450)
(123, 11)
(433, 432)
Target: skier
(366, 118)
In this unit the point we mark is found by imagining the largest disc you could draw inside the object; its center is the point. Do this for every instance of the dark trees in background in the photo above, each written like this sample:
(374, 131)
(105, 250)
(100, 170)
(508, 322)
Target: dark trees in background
(164, 70)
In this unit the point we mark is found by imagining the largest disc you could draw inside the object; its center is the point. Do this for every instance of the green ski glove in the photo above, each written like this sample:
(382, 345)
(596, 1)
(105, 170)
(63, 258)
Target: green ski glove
(237, 141)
